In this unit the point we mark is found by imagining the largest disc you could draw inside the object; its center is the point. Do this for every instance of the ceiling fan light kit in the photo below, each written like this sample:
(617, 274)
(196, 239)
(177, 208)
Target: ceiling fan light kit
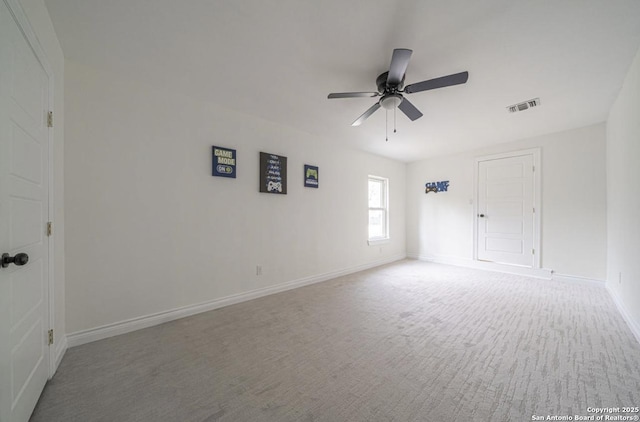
(391, 101)
(390, 88)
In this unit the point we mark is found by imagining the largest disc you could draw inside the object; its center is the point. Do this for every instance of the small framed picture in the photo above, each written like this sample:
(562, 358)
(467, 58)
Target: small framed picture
(224, 162)
(310, 176)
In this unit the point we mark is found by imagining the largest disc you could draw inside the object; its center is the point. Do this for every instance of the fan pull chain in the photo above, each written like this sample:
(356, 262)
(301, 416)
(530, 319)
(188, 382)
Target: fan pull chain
(394, 119)
(386, 125)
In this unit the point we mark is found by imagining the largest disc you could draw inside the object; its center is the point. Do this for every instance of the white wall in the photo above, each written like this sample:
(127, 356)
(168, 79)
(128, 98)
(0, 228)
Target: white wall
(573, 203)
(623, 197)
(38, 16)
(150, 230)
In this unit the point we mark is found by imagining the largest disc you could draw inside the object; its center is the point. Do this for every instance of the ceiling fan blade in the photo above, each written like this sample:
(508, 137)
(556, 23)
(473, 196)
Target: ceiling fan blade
(352, 94)
(410, 110)
(455, 79)
(399, 63)
(366, 115)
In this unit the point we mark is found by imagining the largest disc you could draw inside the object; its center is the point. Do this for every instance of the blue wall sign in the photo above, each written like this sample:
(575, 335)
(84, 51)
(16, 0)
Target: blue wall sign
(436, 186)
(224, 162)
(310, 176)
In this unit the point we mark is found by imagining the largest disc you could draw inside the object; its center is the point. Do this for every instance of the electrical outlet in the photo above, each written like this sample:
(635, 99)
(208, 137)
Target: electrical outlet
(258, 269)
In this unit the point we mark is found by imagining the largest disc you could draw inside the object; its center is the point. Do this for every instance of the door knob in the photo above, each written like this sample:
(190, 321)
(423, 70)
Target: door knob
(20, 259)
(480, 215)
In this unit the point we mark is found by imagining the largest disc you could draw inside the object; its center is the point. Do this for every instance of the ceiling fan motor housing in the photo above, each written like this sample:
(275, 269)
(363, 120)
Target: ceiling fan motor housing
(381, 82)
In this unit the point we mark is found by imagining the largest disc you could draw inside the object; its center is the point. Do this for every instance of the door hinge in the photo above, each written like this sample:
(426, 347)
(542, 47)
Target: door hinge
(534, 210)
(49, 228)
(51, 337)
(533, 251)
(50, 119)
(533, 168)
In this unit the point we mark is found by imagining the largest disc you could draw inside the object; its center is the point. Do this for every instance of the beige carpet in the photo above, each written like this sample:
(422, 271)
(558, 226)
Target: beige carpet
(409, 341)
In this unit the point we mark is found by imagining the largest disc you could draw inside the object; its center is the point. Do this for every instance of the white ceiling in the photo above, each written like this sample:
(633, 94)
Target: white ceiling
(278, 59)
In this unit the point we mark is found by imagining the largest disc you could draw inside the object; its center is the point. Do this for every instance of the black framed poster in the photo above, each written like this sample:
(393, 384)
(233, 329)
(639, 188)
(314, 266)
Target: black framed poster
(273, 173)
(310, 176)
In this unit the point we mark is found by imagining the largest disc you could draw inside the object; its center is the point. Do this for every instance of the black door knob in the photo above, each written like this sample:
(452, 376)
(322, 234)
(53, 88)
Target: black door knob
(20, 259)
(480, 215)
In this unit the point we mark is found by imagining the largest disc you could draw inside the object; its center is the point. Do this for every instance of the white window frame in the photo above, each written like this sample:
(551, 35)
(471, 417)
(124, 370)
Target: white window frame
(378, 240)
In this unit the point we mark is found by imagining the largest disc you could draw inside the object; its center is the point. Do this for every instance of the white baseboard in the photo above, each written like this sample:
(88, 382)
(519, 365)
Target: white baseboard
(93, 334)
(633, 325)
(481, 265)
(578, 279)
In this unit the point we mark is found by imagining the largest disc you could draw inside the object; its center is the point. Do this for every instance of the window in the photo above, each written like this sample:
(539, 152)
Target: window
(378, 209)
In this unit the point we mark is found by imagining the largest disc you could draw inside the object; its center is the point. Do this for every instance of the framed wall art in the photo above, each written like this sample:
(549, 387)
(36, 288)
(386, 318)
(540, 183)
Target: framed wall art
(273, 173)
(224, 162)
(311, 176)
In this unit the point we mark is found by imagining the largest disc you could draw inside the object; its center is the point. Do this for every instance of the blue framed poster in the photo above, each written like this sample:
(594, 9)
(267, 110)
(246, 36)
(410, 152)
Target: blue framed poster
(273, 173)
(310, 176)
(224, 162)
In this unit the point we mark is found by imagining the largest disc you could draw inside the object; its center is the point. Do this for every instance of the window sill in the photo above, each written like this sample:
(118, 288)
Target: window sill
(379, 241)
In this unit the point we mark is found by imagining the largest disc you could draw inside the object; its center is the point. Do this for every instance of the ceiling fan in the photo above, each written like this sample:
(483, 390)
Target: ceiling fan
(390, 88)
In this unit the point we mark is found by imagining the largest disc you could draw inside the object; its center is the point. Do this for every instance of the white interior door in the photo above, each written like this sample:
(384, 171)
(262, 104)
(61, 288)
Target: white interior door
(24, 313)
(506, 210)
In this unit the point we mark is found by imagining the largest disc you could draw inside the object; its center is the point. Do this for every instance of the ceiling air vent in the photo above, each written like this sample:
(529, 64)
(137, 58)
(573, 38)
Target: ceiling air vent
(524, 106)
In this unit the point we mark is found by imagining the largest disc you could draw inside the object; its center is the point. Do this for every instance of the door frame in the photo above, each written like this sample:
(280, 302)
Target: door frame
(24, 25)
(537, 195)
